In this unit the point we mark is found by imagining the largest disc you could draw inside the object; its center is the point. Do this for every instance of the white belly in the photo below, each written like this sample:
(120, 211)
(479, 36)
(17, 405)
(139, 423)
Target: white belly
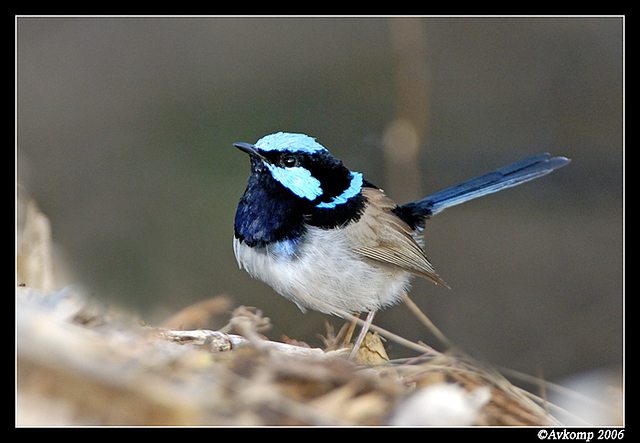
(324, 267)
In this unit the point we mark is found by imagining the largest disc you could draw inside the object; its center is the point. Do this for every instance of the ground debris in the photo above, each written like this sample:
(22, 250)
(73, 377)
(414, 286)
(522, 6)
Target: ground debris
(77, 365)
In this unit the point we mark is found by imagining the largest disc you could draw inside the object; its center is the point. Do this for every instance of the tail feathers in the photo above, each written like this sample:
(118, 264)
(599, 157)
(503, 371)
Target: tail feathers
(514, 174)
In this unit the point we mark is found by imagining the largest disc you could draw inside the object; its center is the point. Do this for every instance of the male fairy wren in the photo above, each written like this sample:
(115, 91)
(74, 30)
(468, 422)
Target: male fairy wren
(324, 237)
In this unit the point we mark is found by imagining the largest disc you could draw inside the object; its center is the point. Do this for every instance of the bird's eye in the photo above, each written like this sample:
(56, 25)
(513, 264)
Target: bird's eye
(289, 161)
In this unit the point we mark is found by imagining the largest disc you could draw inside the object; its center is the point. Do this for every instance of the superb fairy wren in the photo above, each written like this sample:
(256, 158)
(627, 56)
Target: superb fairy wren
(325, 238)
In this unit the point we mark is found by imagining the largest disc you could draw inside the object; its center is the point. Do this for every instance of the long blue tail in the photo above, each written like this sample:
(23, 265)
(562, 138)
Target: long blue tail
(516, 173)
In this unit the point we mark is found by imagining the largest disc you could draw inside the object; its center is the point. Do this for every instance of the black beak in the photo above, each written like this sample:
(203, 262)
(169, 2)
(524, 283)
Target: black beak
(248, 148)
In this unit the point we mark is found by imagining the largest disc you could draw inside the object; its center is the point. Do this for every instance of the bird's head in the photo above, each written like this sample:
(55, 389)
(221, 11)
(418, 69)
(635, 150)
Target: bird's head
(304, 168)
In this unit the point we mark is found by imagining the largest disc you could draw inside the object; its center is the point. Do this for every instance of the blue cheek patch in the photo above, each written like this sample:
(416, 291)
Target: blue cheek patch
(297, 180)
(300, 181)
(353, 190)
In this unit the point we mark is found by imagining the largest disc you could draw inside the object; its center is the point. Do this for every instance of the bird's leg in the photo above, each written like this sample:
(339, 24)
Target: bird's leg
(350, 329)
(363, 332)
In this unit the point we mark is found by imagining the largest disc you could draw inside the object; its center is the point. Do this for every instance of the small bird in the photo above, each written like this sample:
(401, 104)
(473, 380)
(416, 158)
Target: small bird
(326, 238)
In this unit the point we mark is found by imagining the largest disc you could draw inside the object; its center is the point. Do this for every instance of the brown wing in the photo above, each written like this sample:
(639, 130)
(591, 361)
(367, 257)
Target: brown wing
(382, 236)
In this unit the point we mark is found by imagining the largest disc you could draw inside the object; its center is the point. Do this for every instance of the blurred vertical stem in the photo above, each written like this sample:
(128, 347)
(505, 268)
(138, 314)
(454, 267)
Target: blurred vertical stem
(407, 134)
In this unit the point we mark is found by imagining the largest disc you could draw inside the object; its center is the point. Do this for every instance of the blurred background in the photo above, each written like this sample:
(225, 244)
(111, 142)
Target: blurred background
(124, 138)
